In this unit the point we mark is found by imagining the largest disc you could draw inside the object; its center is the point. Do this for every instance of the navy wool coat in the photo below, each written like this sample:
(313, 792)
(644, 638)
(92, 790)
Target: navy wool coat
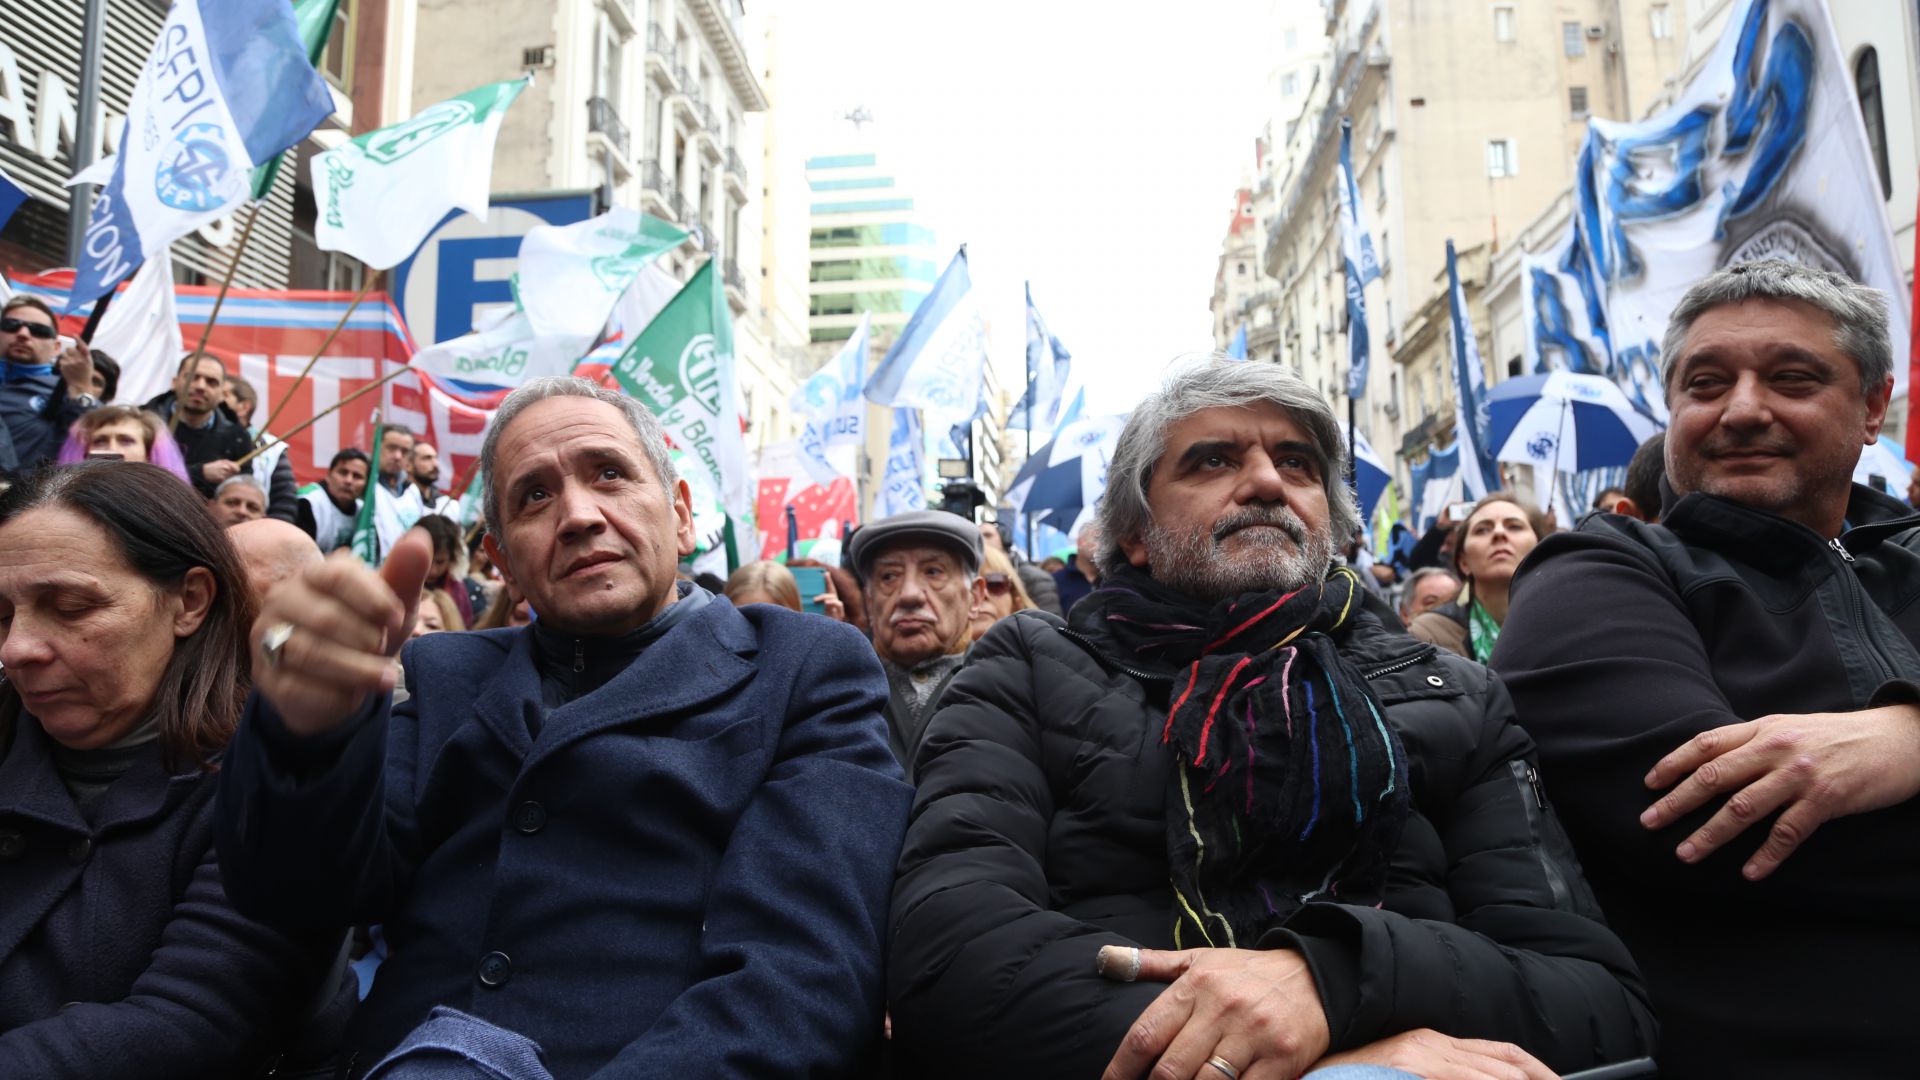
(119, 953)
(686, 873)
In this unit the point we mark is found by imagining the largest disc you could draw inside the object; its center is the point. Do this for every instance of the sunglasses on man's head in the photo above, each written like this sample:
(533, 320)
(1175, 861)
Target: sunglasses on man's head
(11, 325)
(997, 584)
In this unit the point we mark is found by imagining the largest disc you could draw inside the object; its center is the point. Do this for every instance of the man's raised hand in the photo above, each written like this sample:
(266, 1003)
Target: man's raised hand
(338, 626)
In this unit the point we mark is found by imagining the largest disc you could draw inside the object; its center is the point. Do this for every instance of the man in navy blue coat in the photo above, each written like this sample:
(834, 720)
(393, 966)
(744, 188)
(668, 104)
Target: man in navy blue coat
(649, 835)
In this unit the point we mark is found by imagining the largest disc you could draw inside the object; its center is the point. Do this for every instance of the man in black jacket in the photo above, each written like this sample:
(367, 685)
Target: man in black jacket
(212, 437)
(1728, 703)
(43, 390)
(1337, 830)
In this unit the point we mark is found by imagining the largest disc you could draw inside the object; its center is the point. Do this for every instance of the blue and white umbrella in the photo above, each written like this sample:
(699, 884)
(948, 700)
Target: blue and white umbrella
(1886, 460)
(1565, 422)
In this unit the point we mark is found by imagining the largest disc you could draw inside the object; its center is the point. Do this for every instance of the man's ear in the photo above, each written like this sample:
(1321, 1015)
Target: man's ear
(1877, 403)
(1135, 549)
(683, 518)
(497, 555)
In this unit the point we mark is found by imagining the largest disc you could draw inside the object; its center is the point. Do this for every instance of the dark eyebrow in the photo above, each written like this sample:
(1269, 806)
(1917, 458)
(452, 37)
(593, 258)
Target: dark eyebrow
(1781, 353)
(1204, 449)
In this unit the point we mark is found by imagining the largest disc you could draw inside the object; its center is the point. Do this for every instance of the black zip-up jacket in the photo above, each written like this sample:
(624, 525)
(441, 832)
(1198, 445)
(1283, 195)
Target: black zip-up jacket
(226, 440)
(1624, 640)
(1038, 835)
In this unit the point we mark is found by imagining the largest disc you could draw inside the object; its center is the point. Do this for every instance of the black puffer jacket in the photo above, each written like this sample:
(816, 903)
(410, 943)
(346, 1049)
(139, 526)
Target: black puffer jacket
(1624, 641)
(1038, 836)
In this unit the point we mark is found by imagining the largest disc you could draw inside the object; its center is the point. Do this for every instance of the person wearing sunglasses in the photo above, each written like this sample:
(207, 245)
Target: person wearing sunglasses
(997, 593)
(34, 373)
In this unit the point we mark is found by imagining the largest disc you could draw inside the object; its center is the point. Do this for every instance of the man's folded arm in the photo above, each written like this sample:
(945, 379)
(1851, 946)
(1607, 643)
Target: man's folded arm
(790, 967)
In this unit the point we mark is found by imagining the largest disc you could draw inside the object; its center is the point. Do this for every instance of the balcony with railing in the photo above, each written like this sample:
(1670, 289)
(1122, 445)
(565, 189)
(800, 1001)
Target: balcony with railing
(657, 194)
(707, 133)
(736, 283)
(605, 128)
(735, 175)
(660, 65)
(687, 101)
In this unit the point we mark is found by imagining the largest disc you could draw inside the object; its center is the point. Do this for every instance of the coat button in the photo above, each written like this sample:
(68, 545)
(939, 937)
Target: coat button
(495, 969)
(13, 843)
(1435, 680)
(530, 817)
(80, 849)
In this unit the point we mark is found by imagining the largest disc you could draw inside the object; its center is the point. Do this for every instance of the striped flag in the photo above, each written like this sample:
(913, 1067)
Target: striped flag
(1356, 251)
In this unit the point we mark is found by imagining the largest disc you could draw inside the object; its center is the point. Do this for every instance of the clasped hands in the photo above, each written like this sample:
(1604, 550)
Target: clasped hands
(1259, 1013)
(1812, 767)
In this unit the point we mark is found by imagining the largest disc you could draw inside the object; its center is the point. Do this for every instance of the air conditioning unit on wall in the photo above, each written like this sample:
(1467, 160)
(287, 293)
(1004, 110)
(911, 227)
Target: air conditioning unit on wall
(1595, 31)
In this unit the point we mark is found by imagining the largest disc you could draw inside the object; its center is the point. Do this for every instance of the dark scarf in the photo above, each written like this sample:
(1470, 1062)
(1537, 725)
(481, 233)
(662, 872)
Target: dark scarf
(1289, 785)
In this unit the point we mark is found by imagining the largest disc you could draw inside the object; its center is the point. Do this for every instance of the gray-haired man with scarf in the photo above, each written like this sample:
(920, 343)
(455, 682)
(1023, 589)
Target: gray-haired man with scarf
(1230, 822)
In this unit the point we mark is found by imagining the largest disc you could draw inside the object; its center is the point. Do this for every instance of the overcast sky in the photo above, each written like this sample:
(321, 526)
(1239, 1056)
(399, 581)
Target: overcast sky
(1090, 148)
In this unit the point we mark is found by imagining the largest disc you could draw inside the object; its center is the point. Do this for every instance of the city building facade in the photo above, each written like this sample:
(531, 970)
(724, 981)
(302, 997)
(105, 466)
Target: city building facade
(869, 251)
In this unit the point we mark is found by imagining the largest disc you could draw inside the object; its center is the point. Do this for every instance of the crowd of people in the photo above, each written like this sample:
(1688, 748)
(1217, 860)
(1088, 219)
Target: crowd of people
(1220, 796)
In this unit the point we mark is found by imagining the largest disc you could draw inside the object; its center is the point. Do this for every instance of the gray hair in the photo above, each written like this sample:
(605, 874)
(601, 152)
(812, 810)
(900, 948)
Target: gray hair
(1859, 312)
(1214, 381)
(1420, 575)
(653, 440)
(242, 478)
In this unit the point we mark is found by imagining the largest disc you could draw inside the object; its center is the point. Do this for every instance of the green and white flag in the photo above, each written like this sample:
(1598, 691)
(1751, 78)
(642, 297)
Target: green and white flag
(681, 368)
(379, 195)
(570, 275)
(366, 538)
(384, 517)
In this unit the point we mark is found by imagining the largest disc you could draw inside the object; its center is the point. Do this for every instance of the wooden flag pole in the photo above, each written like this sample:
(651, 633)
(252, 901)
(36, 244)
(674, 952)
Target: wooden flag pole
(365, 286)
(335, 407)
(226, 283)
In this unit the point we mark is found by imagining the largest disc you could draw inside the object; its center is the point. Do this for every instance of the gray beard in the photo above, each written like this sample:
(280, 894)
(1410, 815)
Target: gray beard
(1192, 561)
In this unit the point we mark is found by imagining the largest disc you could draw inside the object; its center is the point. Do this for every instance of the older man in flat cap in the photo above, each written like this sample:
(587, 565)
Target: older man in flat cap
(919, 571)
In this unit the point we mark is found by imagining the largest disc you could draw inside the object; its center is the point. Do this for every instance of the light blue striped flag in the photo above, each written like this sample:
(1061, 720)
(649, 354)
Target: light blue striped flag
(938, 361)
(1356, 249)
(1480, 473)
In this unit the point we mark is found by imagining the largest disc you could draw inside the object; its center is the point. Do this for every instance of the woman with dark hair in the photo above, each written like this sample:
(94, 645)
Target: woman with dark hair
(1487, 547)
(445, 572)
(124, 618)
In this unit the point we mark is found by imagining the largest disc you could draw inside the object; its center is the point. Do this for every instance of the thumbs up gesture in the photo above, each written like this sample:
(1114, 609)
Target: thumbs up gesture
(325, 640)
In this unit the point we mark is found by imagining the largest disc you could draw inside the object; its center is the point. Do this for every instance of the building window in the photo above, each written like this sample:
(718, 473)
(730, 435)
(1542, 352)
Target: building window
(1501, 159)
(337, 62)
(1381, 175)
(1573, 38)
(1503, 22)
(1866, 83)
(1577, 101)
(1660, 21)
(1289, 85)
(1293, 40)
(1240, 269)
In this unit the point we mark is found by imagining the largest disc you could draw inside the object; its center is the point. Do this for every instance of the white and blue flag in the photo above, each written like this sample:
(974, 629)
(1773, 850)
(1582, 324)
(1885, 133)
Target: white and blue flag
(1473, 424)
(1356, 250)
(937, 363)
(227, 86)
(835, 410)
(1048, 364)
(905, 485)
(12, 195)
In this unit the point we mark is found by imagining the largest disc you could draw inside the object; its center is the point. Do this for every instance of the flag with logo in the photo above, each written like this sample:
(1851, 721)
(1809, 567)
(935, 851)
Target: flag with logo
(141, 329)
(12, 196)
(1356, 252)
(937, 361)
(1480, 473)
(681, 367)
(379, 195)
(500, 356)
(1048, 365)
(835, 410)
(314, 20)
(227, 86)
(570, 275)
(904, 486)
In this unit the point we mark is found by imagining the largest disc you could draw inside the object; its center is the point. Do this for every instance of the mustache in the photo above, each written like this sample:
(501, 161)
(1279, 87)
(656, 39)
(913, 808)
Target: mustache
(1278, 517)
(1721, 445)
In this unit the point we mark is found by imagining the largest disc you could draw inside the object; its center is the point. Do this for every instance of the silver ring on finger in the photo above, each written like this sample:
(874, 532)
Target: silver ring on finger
(274, 641)
(1226, 1069)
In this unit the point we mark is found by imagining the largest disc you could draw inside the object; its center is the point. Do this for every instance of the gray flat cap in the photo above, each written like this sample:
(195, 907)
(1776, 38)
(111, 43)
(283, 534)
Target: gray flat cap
(916, 527)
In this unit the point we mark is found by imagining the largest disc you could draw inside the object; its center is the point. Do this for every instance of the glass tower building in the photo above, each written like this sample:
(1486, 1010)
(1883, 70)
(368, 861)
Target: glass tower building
(867, 251)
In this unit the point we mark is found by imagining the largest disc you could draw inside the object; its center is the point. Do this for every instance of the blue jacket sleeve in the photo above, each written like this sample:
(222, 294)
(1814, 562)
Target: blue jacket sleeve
(315, 833)
(790, 966)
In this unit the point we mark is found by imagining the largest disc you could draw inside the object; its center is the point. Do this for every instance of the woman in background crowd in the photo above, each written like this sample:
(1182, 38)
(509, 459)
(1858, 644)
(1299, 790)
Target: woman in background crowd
(1000, 593)
(133, 434)
(1487, 548)
(445, 573)
(126, 660)
(763, 582)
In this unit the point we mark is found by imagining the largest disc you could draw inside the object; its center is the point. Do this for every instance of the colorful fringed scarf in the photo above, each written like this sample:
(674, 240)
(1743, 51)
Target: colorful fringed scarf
(1289, 784)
